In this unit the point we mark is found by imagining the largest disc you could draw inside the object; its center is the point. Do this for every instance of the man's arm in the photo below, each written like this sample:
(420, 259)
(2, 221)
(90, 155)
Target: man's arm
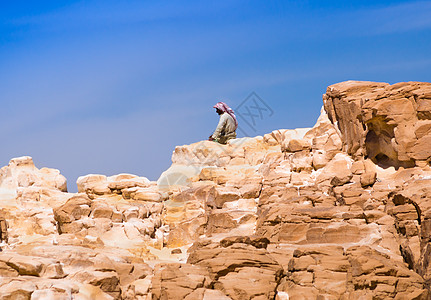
(221, 124)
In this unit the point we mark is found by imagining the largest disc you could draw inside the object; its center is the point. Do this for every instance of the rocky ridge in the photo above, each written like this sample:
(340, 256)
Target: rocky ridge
(338, 211)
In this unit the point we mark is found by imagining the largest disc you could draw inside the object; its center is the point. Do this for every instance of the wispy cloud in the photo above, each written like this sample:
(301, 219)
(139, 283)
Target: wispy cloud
(87, 13)
(399, 18)
(403, 17)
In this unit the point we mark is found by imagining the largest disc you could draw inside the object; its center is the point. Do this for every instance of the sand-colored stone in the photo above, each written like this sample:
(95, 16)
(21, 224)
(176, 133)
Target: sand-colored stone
(337, 211)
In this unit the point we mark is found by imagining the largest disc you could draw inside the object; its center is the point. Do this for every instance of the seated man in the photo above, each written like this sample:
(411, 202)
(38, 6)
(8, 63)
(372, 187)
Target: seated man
(226, 126)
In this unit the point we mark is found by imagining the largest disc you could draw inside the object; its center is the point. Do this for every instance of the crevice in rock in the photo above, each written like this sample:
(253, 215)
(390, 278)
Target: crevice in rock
(371, 286)
(260, 190)
(313, 202)
(232, 268)
(57, 225)
(365, 218)
(407, 255)
(418, 211)
(3, 230)
(340, 201)
(279, 280)
(427, 284)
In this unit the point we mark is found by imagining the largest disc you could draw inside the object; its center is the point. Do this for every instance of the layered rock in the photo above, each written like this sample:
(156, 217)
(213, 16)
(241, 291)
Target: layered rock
(337, 211)
(88, 245)
(391, 124)
(21, 172)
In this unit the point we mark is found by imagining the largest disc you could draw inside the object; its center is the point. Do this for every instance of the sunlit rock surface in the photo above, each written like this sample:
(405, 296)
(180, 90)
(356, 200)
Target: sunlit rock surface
(341, 210)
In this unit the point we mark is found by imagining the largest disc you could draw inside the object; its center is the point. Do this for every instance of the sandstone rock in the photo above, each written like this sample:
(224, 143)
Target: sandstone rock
(74, 209)
(368, 179)
(296, 145)
(251, 190)
(338, 211)
(124, 181)
(177, 177)
(207, 294)
(337, 171)
(21, 172)
(7, 271)
(88, 291)
(47, 294)
(177, 281)
(34, 266)
(108, 282)
(95, 185)
(101, 210)
(224, 195)
(142, 194)
(241, 271)
(92, 182)
(376, 119)
(301, 161)
(278, 136)
(139, 289)
(17, 289)
(289, 290)
(220, 221)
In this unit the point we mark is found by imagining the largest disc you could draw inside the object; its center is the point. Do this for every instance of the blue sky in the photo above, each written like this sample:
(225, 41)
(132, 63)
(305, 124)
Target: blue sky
(112, 86)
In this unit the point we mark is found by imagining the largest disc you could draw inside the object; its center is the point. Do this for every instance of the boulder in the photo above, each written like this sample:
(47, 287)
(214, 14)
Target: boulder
(178, 281)
(21, 172)
(240, 271)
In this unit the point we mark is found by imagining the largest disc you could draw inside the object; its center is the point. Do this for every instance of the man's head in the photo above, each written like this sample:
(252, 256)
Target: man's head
(222, 107)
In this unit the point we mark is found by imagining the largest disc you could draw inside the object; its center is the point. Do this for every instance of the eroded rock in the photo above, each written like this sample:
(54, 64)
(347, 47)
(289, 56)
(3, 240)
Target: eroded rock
(337, 211)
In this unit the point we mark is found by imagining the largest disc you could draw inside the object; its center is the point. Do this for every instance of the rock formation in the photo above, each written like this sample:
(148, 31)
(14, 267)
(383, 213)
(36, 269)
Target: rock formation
(390, 124)
(338, 211)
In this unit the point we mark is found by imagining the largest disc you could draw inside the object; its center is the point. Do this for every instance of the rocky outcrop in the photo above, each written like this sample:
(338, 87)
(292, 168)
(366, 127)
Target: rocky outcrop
(88, 245)
(21, 172)
(390, 124)
(337, 211)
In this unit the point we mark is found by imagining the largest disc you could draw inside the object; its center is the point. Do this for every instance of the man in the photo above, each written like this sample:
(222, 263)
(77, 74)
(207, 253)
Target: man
(227, 124)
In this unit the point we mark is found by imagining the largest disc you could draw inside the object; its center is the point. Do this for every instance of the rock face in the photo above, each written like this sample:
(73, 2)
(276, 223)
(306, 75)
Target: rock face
(21, 172)
(338, 211)
(391, 124)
